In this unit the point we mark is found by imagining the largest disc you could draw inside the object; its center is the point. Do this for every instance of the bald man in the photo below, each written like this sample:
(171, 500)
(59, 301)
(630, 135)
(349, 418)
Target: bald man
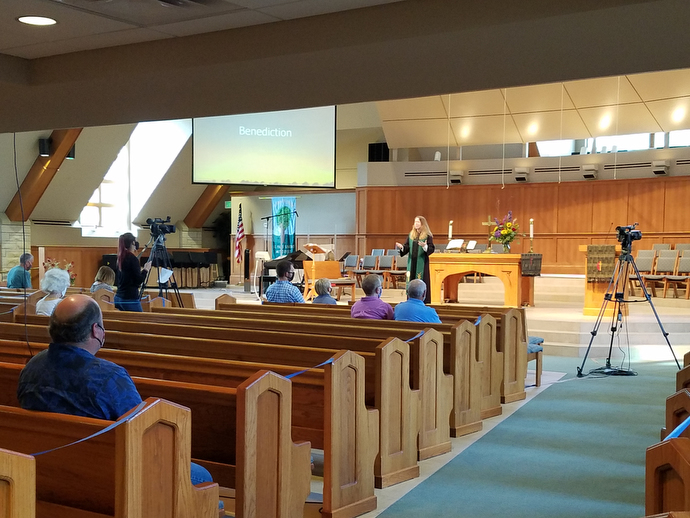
(414, 309)
(67, 377)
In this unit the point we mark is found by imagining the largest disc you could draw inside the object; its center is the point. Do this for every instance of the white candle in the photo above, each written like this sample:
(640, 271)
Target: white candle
(531, 228)
(450, 230)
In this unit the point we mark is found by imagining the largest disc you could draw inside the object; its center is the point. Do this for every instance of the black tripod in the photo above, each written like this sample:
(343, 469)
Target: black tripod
(616, 293)
(160, 259)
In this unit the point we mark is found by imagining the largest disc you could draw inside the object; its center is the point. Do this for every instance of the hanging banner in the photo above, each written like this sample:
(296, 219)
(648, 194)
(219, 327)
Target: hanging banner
(284, 218)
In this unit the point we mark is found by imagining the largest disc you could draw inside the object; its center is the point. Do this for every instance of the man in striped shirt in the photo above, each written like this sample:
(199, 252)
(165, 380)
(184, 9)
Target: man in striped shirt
(283, 290)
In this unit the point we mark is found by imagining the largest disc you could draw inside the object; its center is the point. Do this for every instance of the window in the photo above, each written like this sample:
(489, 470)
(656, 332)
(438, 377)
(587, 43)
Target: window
(147, 156)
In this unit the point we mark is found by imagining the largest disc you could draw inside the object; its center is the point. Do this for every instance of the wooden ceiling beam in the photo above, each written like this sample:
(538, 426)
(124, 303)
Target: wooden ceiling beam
(205, 205)
(41, 174)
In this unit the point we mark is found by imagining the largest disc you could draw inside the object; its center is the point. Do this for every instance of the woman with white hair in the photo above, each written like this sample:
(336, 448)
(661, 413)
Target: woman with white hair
(55, 282)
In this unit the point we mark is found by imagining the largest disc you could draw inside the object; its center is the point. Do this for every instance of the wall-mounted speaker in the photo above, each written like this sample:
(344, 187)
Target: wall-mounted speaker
(379, 152)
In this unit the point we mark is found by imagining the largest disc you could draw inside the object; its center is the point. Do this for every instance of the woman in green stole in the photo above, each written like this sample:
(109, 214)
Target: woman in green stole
(418, 247)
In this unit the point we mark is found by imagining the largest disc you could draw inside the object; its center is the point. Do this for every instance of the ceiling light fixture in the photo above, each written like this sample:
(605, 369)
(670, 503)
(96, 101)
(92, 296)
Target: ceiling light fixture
(36, 20)
(678, 114)
(605, 122)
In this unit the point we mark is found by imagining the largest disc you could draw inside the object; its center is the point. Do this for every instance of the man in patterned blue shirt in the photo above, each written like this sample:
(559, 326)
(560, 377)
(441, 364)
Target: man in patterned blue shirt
(67, 378)
(283, 290)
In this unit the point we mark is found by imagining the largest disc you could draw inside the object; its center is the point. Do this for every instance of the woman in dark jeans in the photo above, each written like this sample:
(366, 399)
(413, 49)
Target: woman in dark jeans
(130, 276)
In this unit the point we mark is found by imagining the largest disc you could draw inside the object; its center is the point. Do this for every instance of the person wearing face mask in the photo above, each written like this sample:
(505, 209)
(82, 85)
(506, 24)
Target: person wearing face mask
(68, 378)
(371, 306)
(418, 246)
(283, 290)
(130, 274)
(55, 282)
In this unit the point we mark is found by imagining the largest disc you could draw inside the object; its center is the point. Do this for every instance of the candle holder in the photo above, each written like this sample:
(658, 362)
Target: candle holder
(531, 242)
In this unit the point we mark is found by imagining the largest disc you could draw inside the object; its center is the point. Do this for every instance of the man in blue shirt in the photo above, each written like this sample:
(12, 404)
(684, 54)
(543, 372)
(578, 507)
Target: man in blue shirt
(283, 290)
(67, 378)
(414, 309)
(20, 275)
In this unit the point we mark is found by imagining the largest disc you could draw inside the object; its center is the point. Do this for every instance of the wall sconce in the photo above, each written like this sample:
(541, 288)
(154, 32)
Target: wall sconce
(589, 171)
(437, 156)
(455, 177)
(44, 146)
(521, 174)
(660, 167)
(70, 153)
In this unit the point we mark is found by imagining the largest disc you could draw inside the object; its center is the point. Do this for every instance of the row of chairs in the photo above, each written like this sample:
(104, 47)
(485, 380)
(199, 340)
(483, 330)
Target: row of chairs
(383, 265)
(663, 268)
(667, 246)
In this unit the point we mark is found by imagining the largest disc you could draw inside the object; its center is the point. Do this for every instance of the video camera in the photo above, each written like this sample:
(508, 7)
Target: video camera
(626, 235)
(159, 227)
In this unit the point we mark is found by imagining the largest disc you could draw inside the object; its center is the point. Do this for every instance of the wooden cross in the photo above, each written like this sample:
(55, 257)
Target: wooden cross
(489, 223)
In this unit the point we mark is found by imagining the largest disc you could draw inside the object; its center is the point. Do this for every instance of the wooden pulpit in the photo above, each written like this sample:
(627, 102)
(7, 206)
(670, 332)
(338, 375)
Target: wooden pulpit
(595, 291)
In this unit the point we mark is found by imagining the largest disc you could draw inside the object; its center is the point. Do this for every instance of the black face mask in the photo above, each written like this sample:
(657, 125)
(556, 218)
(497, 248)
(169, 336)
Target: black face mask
(290, 276)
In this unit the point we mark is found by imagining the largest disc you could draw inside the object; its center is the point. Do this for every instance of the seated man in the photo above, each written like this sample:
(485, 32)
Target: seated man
(283, 290)
(20, 275)
(371, 305)
(323, 290)
(414, 309)
(67, 377)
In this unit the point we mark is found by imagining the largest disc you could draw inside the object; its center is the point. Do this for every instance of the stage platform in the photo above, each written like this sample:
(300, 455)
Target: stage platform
(557, 317)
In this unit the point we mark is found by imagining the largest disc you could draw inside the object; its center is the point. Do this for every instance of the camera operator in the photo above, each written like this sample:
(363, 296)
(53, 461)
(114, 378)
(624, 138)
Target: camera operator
(130, 276)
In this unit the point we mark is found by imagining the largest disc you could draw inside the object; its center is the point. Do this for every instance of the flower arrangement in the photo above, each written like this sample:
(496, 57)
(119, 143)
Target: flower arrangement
(49, 264)
(505, 231)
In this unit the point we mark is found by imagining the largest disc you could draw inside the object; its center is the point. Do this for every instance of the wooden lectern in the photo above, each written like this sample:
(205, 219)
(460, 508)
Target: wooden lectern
(595, 291)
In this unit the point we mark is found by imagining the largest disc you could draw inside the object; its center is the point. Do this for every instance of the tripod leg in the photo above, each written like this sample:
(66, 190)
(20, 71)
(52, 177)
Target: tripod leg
(656, 315)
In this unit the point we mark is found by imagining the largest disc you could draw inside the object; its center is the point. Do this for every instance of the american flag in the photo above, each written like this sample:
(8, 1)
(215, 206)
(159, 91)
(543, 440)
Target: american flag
(239, 236)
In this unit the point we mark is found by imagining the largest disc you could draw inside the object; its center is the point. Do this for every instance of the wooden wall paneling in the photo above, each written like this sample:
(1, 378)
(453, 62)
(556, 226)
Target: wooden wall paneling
(675, 203)
(569, 259)
(547, 246)
(538, 201)
(609, 206)
(361, 196)
(575, 207)
(646, 204)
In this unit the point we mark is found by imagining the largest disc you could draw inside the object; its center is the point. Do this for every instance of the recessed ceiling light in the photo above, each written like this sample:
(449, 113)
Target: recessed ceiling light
(36, 20)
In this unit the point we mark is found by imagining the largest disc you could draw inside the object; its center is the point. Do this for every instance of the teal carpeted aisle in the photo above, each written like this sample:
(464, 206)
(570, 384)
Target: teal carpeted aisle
(576, 450)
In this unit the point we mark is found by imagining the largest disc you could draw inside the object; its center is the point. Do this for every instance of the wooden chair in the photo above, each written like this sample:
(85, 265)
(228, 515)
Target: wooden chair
(386, 264)
(661, 246)
(681, 247)
(665, 265)
(350, 264)
(680, 277)
(378, 251)
(392, 251)
(396, 275)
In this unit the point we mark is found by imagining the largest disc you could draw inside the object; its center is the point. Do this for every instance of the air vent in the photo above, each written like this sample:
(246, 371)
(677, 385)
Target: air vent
(425, 174)
(683, 161)
(52, 222)
(482, 172)
(629, 165)
(566, 169)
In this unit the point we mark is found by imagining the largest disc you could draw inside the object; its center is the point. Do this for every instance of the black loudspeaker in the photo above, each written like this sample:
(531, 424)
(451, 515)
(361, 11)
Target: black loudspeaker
(378, 152)
(44, 146)
(247, 258)
(110, 260)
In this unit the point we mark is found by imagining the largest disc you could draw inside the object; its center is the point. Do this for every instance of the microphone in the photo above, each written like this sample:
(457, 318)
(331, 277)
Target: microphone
(296, 214)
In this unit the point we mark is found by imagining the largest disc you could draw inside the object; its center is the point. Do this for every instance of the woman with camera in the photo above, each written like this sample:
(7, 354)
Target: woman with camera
(130, 274)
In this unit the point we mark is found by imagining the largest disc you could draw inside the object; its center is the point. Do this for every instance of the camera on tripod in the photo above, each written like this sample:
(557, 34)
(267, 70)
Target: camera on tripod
(628, 234)
(159, 227)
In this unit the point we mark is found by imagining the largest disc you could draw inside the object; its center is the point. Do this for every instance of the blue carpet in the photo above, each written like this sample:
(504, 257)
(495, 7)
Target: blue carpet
(576, 450)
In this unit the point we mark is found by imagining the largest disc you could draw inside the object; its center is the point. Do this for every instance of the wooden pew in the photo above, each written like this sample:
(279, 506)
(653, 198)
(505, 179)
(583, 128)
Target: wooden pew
(459, 338)
(677, 411)
(216, 425)
(511, 334)
(667, 476)
(141, 468)
(17, 485)
(354, 494)
(428, 377)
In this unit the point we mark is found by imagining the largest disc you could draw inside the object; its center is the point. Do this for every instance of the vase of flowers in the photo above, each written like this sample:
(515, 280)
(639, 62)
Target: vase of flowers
(505, 231)
(49, 264)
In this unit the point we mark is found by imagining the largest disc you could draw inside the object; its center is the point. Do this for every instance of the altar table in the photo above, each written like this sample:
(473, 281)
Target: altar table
(446, 270)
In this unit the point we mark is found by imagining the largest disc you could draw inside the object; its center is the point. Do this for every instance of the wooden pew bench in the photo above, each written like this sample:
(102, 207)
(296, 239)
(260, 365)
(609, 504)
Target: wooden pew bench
(348, 485)
(220, 416)
(141, 468)
(17, 485)
(470, 357)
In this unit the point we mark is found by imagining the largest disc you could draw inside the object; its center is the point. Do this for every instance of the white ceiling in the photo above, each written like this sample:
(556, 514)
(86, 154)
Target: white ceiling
(640, 103)
(93, 24)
